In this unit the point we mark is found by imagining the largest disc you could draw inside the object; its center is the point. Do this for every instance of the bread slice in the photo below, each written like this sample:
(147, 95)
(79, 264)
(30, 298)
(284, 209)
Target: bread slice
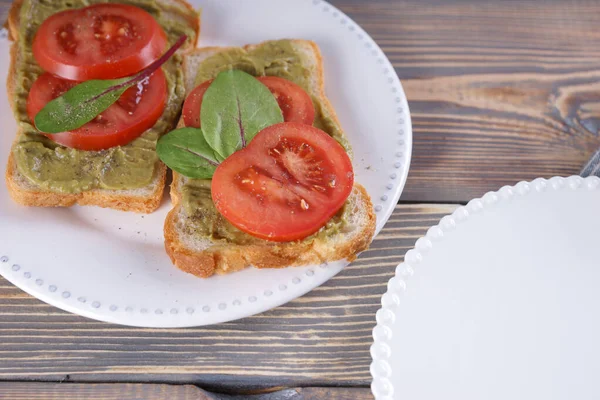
(203, 257)
(142, 200)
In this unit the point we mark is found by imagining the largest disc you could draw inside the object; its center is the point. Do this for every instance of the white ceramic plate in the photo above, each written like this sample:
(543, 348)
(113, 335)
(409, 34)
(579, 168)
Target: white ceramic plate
(498, 301)
(112, 266)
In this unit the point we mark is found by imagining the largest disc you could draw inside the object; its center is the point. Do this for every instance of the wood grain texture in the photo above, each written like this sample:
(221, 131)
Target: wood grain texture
(71, 391)
(499, 91)
(125, 391)
(320, 339)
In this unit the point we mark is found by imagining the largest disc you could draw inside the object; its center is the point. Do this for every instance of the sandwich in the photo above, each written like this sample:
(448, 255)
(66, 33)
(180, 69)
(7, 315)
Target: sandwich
(110, 161)
(282, 196)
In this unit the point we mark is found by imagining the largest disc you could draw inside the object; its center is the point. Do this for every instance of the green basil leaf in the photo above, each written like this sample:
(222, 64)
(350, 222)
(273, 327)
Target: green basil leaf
(186, 151)
(79, 105)
(235, 107)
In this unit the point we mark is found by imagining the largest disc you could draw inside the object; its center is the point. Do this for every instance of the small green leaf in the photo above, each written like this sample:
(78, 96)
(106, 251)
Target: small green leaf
(87, 100)
(79, 105)
(235, 107)
(186, 151)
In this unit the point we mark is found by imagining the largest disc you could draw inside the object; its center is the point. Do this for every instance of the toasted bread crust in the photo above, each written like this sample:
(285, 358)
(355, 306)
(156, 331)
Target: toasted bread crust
(13, 19)
(193, 21)
(103, 198)
(223, 258)
(226, 258)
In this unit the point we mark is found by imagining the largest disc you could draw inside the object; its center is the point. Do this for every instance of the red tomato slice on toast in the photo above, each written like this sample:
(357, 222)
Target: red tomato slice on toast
(136, 111)
(296, 105)
(192, 105)
(289, 181)
(102, 41)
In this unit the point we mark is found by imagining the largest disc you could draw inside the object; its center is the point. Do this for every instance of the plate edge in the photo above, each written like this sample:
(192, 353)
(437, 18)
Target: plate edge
(382, 387)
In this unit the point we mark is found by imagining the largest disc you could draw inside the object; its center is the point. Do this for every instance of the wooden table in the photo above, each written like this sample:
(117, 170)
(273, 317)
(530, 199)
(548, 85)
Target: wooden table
(499, 92)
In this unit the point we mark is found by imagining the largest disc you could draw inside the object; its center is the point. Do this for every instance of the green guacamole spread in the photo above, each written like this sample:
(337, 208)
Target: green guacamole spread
(59, 169)
(206, 222)
(275, 58)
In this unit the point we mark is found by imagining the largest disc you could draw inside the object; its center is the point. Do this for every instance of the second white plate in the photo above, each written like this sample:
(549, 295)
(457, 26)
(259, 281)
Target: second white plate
(499, 301)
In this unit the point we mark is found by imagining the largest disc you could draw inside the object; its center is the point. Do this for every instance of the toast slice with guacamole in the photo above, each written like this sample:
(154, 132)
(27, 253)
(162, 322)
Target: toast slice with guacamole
(199, 239)
(127, 177)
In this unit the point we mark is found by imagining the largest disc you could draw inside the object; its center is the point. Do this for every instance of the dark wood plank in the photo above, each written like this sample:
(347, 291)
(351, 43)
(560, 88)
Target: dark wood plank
(128, 391)
(498, 91)
(320, 339)
(71, 391)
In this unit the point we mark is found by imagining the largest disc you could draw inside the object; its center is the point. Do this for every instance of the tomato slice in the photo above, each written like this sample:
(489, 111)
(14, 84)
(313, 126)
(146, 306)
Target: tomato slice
(294, 102)
(136, 111)
(192, 105)
(289, 181)
(102, 41)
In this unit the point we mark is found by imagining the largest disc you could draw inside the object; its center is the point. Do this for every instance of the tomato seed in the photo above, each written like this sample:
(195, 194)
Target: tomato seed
(304, 204)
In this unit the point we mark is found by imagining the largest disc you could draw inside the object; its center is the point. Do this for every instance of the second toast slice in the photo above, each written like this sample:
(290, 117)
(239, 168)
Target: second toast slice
(200, 241)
